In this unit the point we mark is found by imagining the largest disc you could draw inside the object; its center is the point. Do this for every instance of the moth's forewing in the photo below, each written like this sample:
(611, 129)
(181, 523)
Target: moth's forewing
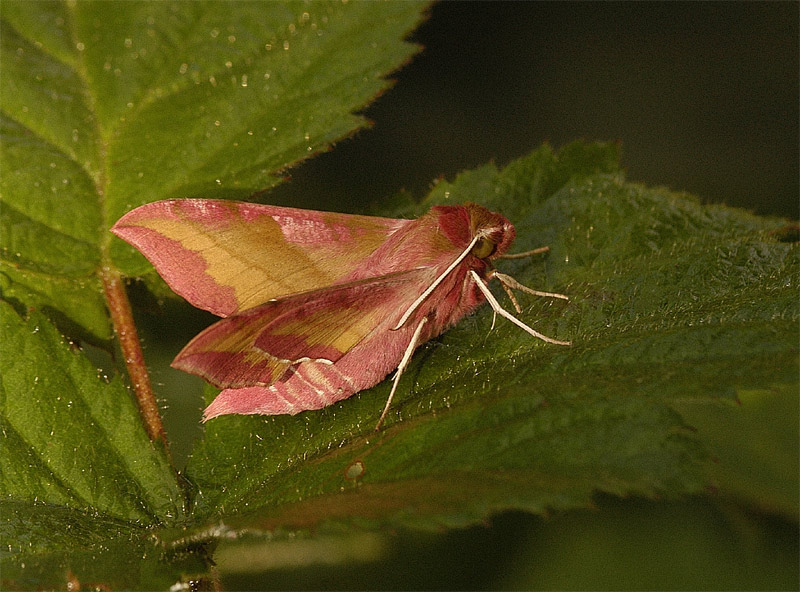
(226, 257)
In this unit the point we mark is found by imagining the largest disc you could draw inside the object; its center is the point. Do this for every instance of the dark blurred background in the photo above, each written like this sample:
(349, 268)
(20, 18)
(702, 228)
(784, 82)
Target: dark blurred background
(702, 95)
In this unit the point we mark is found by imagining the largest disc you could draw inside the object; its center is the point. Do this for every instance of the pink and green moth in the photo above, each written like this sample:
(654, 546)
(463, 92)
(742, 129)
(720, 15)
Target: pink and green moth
(318, 306)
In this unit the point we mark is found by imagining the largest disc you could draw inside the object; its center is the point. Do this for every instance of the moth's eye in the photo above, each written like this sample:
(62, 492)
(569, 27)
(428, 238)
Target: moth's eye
(483, 248)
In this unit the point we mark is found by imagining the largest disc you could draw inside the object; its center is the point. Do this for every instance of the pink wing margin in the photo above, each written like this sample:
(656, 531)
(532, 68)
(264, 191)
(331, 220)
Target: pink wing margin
(226, 256)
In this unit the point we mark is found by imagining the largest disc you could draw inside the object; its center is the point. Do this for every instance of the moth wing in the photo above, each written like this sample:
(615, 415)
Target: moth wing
(226, 256)
(256, 347)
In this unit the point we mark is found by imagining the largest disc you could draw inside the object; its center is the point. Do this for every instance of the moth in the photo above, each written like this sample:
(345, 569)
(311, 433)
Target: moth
(317, 306)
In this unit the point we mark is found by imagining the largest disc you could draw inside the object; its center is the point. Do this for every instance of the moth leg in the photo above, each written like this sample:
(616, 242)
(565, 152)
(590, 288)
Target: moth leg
(412, 345)
(509, 282)
(508, 291)
(525, 254)
(504, 313)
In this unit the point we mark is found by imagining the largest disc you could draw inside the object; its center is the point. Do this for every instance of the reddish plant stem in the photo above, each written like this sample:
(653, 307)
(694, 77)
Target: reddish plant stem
(122, 318)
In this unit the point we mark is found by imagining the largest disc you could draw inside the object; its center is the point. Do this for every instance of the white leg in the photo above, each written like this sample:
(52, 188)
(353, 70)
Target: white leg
(412, 345)
(508, 292)
(509, 282)
(503, 313)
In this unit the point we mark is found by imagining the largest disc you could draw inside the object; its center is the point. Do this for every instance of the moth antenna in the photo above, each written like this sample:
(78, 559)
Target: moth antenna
(509, 282)
(415, 305)
(504, 313)
(412, 345)
(524, 254)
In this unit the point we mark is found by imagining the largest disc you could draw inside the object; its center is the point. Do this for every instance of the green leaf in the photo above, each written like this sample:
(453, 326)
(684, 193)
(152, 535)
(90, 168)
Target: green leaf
(755, 446)
(77, 470)
(55, 546)
(107, 106)
(671, 302)
(70, 439)
(104, 110)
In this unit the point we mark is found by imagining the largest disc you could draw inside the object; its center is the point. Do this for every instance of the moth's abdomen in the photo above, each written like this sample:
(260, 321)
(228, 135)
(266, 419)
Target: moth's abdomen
(309, 385)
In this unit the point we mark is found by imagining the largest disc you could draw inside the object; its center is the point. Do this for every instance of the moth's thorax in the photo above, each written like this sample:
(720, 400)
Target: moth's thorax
(460, 224)
(470, 234)
(435, 240)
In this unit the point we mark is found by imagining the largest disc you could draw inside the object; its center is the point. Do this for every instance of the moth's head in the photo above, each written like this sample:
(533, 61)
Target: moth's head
(495, 233)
